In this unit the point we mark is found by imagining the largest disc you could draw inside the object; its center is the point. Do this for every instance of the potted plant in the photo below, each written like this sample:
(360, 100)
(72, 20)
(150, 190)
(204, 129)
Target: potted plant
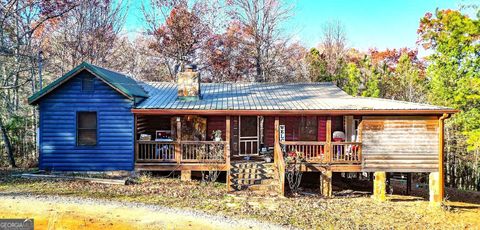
(217, 135)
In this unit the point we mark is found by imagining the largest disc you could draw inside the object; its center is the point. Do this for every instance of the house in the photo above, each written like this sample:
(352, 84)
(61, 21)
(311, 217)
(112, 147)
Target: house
(94, 119)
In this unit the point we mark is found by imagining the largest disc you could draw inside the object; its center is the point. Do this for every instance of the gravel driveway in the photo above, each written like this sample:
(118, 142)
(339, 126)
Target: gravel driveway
(57, 212)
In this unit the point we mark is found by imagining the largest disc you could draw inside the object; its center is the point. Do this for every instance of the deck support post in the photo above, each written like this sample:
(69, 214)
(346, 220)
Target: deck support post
(435, 189)
(227, 148)
(186, 175)
(326, 183)
(379, 186)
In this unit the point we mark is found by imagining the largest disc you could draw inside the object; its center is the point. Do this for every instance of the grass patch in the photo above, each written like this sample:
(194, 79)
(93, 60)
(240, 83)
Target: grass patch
(303, 212)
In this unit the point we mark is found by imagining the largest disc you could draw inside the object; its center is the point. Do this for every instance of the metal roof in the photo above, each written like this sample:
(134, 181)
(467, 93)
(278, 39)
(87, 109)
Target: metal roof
(120, 82)
(270, 96)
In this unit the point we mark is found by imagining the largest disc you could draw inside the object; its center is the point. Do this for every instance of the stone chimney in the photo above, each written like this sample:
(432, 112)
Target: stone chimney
(188, 81)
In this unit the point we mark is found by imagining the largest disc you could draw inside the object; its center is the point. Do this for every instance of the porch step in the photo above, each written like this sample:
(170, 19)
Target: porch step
(253, 171)
(254, 181)
(254, 176)
(270, 188)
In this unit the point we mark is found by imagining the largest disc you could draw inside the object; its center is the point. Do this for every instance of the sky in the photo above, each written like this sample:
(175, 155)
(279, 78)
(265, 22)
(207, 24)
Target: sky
(368, 23)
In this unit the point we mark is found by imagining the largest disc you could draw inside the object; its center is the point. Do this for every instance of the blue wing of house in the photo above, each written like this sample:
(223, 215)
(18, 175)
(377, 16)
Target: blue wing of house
(109, 141)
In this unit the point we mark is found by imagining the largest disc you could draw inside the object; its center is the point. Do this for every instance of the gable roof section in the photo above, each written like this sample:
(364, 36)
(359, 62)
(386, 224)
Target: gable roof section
(308, 97)
(122, 83)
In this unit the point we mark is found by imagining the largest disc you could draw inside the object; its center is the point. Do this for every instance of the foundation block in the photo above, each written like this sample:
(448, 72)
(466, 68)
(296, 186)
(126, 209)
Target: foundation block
(434, 188)
(379, 186)
(326, 183)
(186, 175)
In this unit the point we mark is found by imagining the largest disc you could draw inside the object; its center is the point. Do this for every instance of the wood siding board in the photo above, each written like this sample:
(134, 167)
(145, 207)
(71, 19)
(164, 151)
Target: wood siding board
(399, 143)
(216, 123)
(322, 128)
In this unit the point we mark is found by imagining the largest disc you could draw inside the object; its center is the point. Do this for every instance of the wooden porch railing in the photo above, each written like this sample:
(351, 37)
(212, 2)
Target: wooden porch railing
(155, 151)
(313, 151)
(346, 152)
(203, 151)
(182, 152)
(324, 152)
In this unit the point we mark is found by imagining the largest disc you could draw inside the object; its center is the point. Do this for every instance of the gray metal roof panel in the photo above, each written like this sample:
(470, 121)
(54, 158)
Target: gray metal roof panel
(270, 96)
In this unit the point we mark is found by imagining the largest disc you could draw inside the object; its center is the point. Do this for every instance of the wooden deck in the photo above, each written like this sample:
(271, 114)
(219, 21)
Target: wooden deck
(203, 155)
(215, 155)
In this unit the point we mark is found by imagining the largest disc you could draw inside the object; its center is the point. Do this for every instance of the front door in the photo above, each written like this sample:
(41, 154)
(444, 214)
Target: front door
(248, 135)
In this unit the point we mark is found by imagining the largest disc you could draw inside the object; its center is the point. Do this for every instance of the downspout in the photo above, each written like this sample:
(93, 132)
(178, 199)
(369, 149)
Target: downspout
(441, 147)
(37, 109)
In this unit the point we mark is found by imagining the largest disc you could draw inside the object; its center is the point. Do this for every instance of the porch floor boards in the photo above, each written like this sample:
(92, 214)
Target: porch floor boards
(306, 167)
(179, 167)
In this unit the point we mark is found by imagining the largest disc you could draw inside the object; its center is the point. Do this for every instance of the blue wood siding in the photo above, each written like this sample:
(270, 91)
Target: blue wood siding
(115, 128)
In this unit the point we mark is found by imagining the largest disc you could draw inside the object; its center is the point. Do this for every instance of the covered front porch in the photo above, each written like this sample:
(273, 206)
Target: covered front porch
(213, 142)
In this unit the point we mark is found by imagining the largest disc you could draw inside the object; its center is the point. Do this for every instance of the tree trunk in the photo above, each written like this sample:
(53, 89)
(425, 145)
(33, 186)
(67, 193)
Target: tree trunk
(258, 68)
(8, 145)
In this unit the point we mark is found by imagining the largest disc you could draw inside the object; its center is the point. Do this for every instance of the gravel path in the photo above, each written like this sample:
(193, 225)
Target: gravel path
(104, 213)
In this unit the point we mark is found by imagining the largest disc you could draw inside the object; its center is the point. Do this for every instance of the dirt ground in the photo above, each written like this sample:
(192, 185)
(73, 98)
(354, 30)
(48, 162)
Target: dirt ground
(157, 202)
(75, 213)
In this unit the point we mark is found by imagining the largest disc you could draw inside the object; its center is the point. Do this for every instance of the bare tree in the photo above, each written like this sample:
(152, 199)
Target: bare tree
(135, 58)
(87, 33)
(333, 47)
(262, 19)
(20, 21)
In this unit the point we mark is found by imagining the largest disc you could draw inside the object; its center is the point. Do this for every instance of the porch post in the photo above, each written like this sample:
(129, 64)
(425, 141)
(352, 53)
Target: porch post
(178, 146)
(441, 147)
(278, 156)
(436, 179)
(227, 149)
(328, 154)
(277, 131)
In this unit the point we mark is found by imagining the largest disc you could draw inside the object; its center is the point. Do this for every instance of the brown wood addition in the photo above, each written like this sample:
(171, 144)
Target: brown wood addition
(400, 144)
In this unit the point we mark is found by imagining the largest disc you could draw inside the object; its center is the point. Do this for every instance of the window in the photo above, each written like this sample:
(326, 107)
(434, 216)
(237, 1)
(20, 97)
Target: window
(308, 129)
(87, 84)
(86, 128)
